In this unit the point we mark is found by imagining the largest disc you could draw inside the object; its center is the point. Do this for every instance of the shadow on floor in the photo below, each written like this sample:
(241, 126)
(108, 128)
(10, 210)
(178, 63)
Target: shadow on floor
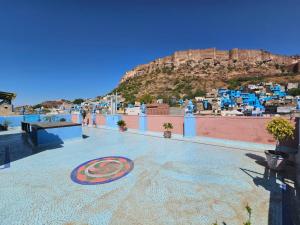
(16, 146)
(281, 194)
(291, 196)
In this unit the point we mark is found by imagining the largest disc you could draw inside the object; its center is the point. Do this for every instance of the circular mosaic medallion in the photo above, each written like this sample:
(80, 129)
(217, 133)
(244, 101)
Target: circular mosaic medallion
(102, 170)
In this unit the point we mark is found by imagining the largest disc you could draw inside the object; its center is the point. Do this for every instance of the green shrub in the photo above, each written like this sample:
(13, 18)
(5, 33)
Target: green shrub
(121, 123)
(199, 93)
(38, 106)
(146, 98)
(78, 101)
(233, 84)
(294, 91)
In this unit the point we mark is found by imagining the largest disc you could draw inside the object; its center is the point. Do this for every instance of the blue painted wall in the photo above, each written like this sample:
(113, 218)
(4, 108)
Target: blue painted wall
(80, 118)
(57, 118)
(58, 135)
(143, 123)
(111, 120)
(93, 118)
(15, 121)
(32, 118)
(67, 117)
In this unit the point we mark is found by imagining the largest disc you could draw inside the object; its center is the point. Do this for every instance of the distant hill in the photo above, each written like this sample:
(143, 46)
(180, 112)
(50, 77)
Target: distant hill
(194, 72)
(52, 103)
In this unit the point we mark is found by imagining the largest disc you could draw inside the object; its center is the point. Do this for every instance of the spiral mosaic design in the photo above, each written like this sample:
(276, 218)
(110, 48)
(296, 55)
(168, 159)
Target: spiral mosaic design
(102, 170)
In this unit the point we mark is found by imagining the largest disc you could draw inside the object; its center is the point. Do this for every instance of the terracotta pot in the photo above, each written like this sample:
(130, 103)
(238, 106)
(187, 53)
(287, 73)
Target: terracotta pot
(122, 129)
(167, 134)
(276, 160)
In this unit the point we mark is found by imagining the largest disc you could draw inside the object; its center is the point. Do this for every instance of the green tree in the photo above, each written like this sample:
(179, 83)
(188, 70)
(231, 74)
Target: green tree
(294, 91)
(37, 106)
(146, 98)
(234, 83)
(129, 98)
(78, 101)
(199, 93)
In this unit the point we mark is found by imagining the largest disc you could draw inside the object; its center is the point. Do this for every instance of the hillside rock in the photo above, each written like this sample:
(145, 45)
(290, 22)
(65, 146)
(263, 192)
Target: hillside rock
(186, 72)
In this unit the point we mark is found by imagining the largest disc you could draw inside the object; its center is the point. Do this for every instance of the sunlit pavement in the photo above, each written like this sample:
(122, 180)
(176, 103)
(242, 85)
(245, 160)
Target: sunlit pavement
(172, 182)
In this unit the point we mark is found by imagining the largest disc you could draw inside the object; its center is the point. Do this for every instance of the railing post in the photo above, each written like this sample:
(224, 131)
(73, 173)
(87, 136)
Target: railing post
(79, 118)
(143, 122)
(111, 120)
(93, 119)
(189, 121)
(189, 126)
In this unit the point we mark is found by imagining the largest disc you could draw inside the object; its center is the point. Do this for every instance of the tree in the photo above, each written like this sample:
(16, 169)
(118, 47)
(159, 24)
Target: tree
(38, 106)
(146, 98)
(78, 101)
(129, 98)
(234, 84)
(199, 93)
(294, 91)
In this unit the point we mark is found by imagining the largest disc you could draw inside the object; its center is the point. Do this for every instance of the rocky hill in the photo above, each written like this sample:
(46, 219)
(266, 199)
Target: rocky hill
(194, 72)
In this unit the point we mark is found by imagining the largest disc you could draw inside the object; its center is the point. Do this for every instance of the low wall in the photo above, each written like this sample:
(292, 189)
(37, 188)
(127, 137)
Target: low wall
(32, 118)
(67, 117)
(112, 120)
(132, 122)
(252, 129)
(100, 120)
(155, 123)
(75, 118)
(57, 135)
(15, 121)
(248, 129)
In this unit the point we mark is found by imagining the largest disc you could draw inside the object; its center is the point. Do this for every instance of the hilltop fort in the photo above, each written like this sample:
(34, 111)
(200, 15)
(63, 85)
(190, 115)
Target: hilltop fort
(193, 72)
(226, 57)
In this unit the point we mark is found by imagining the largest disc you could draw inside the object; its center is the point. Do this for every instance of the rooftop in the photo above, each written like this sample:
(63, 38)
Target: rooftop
(178, 181)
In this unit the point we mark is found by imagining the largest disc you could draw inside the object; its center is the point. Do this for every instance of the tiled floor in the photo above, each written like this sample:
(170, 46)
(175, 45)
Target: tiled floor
(173, 182)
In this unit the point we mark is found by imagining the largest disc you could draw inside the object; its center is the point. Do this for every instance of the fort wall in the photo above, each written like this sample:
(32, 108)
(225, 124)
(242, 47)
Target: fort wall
(180, 57)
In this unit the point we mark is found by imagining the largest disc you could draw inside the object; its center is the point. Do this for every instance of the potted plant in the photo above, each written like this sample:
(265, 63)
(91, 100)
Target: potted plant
(122, 125)
(168, 127)
(282, 130)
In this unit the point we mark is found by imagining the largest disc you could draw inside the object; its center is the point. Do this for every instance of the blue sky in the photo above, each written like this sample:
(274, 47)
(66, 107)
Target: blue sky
(69, 48)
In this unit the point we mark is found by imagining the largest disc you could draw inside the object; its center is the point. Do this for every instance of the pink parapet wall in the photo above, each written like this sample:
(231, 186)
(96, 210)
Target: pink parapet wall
(100, 120)
(251, 129)
(248, 129)
(155, 123)
(74, 118)
(132, 122)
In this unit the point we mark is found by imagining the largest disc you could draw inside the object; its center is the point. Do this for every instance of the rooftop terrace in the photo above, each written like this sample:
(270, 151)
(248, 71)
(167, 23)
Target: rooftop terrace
(172, 182)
